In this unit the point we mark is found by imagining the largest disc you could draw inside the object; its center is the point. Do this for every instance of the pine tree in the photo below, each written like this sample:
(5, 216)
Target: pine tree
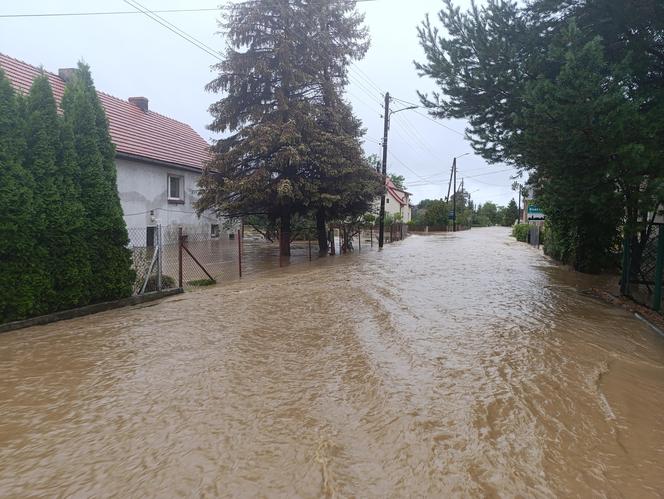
(578, 107)
(105, 229)
(277, 75)
(511, 214)
(22, 276)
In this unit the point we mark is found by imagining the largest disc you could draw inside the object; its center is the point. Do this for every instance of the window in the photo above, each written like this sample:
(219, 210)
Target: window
(175, 189)
(214, 230)
(387, 200)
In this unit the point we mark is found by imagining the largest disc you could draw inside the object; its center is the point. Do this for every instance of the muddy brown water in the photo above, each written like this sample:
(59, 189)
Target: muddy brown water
(455, 365)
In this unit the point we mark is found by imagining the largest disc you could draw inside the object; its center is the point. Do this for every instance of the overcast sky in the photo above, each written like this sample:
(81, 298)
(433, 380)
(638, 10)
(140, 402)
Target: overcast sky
(132, 55)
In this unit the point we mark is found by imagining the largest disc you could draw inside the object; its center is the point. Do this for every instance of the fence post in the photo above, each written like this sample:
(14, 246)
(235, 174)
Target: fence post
(371, 236)
(359, 241)
(239, 252)
(309, 243)
(160, 261)
(180, 242)
(659, 270)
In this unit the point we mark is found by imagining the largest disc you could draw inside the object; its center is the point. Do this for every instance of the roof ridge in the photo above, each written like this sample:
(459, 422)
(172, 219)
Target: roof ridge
(21, 61)
(126, 101)
(148, 134)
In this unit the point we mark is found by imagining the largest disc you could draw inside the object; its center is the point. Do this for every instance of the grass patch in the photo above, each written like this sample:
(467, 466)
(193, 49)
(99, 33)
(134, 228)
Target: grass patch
(201, 282)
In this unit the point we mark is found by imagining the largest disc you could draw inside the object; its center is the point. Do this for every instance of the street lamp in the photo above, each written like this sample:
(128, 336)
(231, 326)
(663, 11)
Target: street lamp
(386, 128)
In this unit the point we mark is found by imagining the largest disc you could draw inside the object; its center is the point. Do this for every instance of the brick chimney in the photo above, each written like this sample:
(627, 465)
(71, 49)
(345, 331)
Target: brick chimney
(140, 102)
(65, 74)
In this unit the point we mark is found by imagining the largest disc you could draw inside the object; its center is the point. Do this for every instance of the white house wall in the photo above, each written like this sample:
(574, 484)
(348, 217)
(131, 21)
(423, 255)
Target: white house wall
(393, 207)
(143, 194)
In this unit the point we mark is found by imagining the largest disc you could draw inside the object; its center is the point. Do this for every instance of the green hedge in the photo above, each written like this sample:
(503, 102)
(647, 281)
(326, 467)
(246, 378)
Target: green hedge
(63, 240)
(520, 232)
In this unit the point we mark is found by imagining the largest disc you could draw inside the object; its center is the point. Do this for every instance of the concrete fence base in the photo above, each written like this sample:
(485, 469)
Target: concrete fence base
(87, 310)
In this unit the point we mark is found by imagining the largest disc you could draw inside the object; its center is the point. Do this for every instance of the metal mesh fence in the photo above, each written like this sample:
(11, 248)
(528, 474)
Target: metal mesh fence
(143, 243)
(165, 258)
(643, 285)
(205, 259)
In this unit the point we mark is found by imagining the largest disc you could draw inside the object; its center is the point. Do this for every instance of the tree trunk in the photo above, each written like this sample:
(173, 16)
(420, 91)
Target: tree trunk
(322, 233)
(284, 235)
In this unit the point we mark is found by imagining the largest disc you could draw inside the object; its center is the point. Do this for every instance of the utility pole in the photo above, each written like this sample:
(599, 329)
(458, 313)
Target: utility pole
(386, 127)
(454, 197)
(453, 177)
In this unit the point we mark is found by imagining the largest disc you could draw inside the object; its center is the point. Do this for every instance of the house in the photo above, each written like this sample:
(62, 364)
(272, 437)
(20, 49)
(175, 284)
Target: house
(159, 160)
(397, 202)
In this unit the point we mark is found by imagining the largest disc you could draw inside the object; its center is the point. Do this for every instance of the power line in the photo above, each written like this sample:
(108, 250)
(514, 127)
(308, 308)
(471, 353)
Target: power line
(405, 165)
(101, 13)
(426, 182)
(116, 12)
(491, 173)
(211, 51)
(486, 183)
(361, 78)
(410, 132)
(171, 27)
(361, 101)
(429, 117)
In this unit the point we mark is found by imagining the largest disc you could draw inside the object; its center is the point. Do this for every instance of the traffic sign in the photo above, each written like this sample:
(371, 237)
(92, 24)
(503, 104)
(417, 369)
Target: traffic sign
(535, 213)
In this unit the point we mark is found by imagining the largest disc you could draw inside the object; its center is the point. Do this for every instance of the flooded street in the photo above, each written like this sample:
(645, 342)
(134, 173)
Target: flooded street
(454, 365)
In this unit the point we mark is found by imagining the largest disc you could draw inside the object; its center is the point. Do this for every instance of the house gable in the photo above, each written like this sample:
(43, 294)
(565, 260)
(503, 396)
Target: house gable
(137, 132)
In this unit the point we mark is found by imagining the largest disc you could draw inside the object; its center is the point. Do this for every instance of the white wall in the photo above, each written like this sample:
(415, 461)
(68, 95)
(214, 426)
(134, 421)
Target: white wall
(143, 188)
(393, 207)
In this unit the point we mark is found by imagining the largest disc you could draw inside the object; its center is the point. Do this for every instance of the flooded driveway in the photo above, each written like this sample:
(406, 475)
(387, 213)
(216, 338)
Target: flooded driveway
(456, 365)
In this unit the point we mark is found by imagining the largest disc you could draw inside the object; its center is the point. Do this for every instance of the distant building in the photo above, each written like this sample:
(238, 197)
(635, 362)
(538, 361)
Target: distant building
(159, 160)
(397, 202)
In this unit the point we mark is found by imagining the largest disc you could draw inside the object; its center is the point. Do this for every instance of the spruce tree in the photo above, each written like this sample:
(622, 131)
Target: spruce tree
(22, 276)
(276, 74)
(345, 183)
(105, 229)
(511, 214)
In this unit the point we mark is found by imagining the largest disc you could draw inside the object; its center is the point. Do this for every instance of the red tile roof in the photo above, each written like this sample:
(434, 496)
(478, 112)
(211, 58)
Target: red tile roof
(146, 135)
(398, 194)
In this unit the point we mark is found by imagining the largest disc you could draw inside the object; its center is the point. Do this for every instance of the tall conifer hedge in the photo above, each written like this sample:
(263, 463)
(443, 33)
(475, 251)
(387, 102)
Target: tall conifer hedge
(106, 232)
(64, 242)
(21, 273)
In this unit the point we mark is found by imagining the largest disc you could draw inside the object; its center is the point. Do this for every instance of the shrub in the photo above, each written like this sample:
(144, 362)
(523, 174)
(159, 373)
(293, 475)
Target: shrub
(167, 282)
(520, 232)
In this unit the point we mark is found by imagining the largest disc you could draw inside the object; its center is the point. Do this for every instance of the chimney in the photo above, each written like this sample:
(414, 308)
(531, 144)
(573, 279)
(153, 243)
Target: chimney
(65, 74)
(140, 102)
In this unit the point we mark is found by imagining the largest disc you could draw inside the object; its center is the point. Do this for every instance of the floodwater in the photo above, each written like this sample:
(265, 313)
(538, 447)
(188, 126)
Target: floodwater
(454, 365)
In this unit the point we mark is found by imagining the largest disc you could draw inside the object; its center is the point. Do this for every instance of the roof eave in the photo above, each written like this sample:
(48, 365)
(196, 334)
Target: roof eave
(152, 161)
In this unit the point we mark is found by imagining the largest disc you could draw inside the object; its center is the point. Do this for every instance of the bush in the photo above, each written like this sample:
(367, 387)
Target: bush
(520, 231)
(167, 282)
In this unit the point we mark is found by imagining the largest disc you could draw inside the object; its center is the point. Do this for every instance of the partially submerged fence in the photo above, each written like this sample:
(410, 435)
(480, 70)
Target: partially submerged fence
(435, 228)
(180, 258)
